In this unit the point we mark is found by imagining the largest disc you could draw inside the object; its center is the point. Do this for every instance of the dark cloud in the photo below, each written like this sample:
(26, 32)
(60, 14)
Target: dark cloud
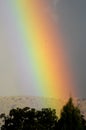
(72, 14)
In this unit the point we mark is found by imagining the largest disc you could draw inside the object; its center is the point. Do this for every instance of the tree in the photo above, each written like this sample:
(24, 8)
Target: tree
(83, 122)
(30, 119)
(47, 118)
(70, 117)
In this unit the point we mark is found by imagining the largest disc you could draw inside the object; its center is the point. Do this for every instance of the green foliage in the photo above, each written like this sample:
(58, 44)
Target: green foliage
(70, 117)
(44, 119)
(47, 118)
(30, 119)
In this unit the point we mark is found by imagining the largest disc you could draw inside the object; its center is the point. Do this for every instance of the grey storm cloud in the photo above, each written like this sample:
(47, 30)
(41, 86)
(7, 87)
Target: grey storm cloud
(72, 15)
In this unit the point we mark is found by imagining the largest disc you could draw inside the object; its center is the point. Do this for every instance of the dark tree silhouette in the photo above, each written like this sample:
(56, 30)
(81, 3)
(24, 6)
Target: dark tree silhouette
(70, 117)
(30, 119)
(44, 119)
(47, 118)
(83, 122)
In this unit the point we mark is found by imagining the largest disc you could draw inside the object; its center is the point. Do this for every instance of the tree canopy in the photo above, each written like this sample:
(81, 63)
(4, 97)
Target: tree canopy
(45, 119)
(71, 118)
(30, 119)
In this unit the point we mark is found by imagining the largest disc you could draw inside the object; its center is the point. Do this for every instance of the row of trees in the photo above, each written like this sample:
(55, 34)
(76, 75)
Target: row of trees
(44, 119)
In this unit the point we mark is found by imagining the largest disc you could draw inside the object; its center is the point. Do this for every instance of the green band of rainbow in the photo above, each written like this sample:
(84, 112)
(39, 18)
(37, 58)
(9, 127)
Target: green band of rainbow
(43, 46)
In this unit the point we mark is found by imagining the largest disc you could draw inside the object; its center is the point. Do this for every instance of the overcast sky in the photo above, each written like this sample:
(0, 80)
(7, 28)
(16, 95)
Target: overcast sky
(72, 17)
(72, 14)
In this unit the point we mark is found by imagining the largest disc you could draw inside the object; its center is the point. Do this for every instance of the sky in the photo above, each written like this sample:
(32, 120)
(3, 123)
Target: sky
(71, 14)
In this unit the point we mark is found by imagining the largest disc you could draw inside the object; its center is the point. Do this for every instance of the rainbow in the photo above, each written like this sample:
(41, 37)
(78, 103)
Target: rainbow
(43, 49)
